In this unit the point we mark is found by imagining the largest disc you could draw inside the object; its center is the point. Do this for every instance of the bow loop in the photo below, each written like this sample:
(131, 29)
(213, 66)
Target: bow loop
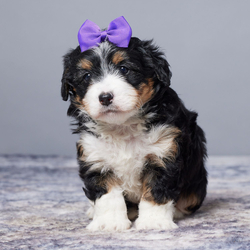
(119, 33)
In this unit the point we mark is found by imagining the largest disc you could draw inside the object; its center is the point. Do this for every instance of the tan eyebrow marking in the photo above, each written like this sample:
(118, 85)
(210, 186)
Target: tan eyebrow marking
(146, 91)
(118, 57)
(85, 64)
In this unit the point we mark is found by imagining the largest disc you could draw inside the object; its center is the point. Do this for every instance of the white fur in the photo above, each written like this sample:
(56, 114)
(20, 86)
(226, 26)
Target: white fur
(90, 212)
(154, 216)
(123, 103)
(102, 50)
(110, 212)
(123, 149)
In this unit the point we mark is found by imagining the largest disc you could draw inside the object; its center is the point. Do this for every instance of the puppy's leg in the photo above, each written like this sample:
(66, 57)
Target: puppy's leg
(110, 212)
(156, 208)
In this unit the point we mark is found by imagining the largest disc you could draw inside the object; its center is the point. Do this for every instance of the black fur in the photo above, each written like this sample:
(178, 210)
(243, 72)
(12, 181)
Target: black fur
(187, 174)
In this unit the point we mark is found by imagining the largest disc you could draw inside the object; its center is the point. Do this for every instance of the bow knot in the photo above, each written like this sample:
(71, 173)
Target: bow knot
(119, 33)
(103, 35)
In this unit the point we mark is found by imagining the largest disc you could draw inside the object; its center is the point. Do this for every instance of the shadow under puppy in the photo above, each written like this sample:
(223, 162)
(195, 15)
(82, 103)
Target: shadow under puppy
(141, 153)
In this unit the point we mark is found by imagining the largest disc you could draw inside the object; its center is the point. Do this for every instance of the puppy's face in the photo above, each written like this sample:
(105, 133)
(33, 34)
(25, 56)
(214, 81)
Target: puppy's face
(110, 86)
(109, 83)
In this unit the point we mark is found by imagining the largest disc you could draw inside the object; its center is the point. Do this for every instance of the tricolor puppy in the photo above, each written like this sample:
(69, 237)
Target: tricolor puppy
(141, 153)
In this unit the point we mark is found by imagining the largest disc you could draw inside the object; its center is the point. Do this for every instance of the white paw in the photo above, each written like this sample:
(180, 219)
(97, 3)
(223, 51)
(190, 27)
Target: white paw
(109, 212)
(155, 216)
(90, 212)
(101, 223)
(155, 224)
(178, 214)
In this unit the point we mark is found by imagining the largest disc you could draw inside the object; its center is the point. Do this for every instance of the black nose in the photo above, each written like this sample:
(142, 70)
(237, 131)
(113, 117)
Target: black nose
(105, 98)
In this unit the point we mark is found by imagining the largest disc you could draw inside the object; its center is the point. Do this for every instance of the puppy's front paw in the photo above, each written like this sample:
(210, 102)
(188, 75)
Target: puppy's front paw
(90, 212)
(155, 216)
(154, 223)
(102, 223)
(110, 212)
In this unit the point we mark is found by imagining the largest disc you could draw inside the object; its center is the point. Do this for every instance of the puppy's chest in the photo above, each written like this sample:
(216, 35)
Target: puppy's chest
(125, 153)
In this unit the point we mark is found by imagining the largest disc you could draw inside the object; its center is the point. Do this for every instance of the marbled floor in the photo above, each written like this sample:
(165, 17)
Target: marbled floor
(43, 207)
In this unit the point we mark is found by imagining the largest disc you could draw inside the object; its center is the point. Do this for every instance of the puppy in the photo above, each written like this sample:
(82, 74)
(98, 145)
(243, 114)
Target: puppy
(141, 153)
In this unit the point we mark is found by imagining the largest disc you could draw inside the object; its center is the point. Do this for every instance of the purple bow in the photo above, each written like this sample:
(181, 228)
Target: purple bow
(119, 32)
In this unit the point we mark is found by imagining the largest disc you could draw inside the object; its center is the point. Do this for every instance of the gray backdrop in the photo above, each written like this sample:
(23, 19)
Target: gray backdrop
(206, 43)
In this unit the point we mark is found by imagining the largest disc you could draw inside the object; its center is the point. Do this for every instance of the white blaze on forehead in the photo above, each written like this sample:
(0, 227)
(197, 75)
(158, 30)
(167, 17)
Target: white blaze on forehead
(102, 51)
(124, 96)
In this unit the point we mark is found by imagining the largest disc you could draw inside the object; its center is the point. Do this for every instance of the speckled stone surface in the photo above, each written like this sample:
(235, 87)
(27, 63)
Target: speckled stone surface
(43, 207)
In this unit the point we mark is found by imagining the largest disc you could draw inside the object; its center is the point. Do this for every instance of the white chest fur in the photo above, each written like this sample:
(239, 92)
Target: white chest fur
(123, 149)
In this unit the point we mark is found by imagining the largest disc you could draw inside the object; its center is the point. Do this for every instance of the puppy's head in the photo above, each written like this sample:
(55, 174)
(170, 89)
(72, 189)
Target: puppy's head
(112, 84)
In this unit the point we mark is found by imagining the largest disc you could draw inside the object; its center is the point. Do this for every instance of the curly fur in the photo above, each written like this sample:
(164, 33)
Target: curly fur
(145, 143)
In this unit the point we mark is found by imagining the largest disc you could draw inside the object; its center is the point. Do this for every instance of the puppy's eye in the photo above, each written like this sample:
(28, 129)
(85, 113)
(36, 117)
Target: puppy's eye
(87, 77)
(124, 70)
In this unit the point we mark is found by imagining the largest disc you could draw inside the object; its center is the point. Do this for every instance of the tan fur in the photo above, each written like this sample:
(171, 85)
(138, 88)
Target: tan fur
(81, 104)
(155, 160)
(147, 191)
(78, 102)
(79, 149)
(108, 181)
(173, 133)
(145, 92)
(85, 64)
(85, 105)
(132, 212)
(80, 152)
(185, 202)
(147, 195)
(118, 57)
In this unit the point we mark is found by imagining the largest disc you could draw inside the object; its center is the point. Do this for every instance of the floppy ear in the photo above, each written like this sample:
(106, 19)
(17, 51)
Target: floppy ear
(162, 71)
(66, 77)
(64, 87)
(155, 59)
